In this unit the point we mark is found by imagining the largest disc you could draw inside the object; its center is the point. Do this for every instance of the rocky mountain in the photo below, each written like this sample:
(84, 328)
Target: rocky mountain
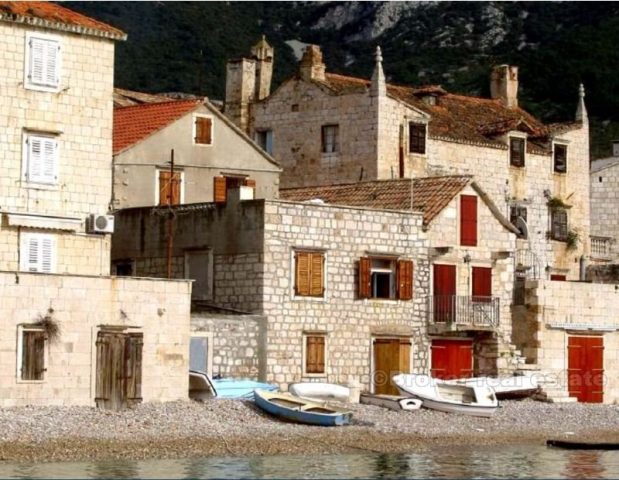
(183, 46)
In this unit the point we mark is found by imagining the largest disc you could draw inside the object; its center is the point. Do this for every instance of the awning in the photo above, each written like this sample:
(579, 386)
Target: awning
(27, 220)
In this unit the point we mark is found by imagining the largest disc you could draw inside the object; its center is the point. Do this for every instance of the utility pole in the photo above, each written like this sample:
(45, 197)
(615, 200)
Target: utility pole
(170, 214)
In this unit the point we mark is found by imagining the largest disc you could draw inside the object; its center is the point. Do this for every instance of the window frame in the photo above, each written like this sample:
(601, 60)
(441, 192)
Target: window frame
(295, 294)
(417, 147)
(267, 145)
(209, 273)
(29, 84)
(334, 127)
(558, 236)
(522, 161)
(21, 330)
(401, 286)
(305, 337)
(564, 147)
(24, 246)
(194, 129)
(45, 181)
(181, 187)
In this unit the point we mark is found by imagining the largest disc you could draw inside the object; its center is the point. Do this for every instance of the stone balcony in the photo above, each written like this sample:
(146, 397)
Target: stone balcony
(462, 313)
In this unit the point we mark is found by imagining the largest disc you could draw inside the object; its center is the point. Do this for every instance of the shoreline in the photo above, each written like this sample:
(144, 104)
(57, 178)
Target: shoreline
(237, 428)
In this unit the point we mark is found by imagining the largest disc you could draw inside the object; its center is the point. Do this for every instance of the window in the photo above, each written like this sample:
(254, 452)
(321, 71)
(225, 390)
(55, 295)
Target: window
(203, 130)
(199, 266)
(42, 63)
(41, 159)
(31, 349)
(468, 220)
(309, 274)
(314, 353)
(417, 138)
(37, 253)
(481, 289)
(560, 158)
(264, 138)
(330, 135)
(124, 268)
(385, 278)
(222, 184)
(516, 152)
(516, 211)
(558, 218)
(170, 185)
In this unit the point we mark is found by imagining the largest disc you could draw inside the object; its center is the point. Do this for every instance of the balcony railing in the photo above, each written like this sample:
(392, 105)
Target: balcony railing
(527, 262)
(601, 247)
(455, 310)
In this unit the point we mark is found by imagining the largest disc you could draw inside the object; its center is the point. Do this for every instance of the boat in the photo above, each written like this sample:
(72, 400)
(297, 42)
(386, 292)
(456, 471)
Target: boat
(575, 445)
(440, 395)
(295, 409)
(320, 391)
(392, 402)
(504, 387)
(202, 386)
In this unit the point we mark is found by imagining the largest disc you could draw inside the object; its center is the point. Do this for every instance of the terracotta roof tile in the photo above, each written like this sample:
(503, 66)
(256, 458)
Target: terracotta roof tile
(430, 194)
(135, 123)
(54, 16)
(127, 98)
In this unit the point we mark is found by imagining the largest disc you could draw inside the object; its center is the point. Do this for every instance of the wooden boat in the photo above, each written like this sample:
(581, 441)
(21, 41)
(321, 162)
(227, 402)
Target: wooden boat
(295, 409)
(392, 402)
(504, 387)
(202, 387)
(447, 397)
(319, 391)
(574, 445)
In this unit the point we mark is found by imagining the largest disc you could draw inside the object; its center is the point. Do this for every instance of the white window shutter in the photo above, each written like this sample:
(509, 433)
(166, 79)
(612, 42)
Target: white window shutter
(50, 150)
(51, 63)
(35, 159)
(47, 255)
(30, 254)
(42, 166)
(44, 62)
(37, 60)
(38, 253)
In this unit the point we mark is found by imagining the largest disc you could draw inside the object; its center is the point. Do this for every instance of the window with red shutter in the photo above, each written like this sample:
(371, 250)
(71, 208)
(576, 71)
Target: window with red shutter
(482, 284)
(468, 220)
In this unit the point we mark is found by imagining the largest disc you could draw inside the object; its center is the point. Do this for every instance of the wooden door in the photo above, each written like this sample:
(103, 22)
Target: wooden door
(444, 292)
(482, 284)
(586, 368)
(169, 188)
(119, 369)
(452, 359)
(391, 357)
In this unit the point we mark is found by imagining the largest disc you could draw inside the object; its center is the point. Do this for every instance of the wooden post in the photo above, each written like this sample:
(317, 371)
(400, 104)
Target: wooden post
(170, 217)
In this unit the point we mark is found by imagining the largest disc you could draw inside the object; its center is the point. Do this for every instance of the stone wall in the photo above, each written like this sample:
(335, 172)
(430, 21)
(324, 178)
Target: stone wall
(556, 310)
(604, 185)
(82, 305)
(603, 273)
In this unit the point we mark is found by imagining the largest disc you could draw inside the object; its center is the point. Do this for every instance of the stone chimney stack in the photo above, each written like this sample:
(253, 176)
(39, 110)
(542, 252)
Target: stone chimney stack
(581, 109)
(311, 66)
(240, 90)
(504, 85)
(378, 87)
(262, 52)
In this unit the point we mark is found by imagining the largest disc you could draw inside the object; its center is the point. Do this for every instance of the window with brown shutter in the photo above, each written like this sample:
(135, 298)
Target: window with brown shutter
(169, 187)
(468, 220)
(365, 280)
(416, 138)
(559, 225)
(203, 130)
(516, 152)
(249, 182)
(309, 274)
(405, 279)
(219, 189)
(315, 354)
(33, 355)
(560, 158)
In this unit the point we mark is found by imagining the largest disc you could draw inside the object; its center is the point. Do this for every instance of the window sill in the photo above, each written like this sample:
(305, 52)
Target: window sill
(304, 298)
(40, 186)
(519, 167)
(315, 375)
(42, 88)
(20, 381)
(202, 144)
(563, 174)
(418, 154)
(385, 301)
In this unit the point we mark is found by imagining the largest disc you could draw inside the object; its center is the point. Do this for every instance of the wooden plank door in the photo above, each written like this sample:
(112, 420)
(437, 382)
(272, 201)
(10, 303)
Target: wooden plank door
(452, 359)
(391, 357)
(586, 368)
(444, 292)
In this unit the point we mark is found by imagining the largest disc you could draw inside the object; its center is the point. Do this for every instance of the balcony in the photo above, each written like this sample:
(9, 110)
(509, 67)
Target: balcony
(601, 248)
(462, 313)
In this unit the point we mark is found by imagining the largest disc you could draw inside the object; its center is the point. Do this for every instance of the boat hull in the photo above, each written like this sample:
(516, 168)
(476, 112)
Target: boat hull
(392, 402)
(304, 412)
(322, 392)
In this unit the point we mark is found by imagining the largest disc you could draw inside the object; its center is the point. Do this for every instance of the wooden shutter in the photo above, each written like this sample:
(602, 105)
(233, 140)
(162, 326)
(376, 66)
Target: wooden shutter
(169, 188)
(249, 182)
(516, 152)
(316, 274)
(37, 66)
(482, 284)
(219, 189)
(30, 254)
(315, 354)
(468, 220)
(302, 273)
(203, 130)
(405, 355)
(559, 225)
(33, 355)
(365, 277)
(405, 279)
(133, 368)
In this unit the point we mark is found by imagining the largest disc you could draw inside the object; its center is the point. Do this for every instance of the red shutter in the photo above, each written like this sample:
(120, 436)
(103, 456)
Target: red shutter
(405, 279)
(558, 278)
(482, 284)
(468, 220)
(219, 189)
(365, 282)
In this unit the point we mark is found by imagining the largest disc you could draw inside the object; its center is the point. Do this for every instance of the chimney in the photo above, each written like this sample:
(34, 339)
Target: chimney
(504, 85)
(311, 66)
(240, 90)
(262, 52)
(615, 148)
(378, 87)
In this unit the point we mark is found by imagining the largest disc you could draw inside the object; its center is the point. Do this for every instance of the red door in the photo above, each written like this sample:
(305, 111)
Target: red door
(586, 368)
(558, 278)
(452, 359)
(482, 284)
(444, 292)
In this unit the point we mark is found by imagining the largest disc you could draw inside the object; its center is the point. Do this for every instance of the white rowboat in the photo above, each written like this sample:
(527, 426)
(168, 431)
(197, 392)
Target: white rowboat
(504, 387)
(392, 402)
(322, 392)
(440, 395)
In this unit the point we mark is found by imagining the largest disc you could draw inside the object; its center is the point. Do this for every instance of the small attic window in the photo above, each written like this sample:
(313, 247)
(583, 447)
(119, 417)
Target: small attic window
(295, 107)
(429, 99)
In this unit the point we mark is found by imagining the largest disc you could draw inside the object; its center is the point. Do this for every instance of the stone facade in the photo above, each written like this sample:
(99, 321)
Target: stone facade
(253, 244)
(604, 182)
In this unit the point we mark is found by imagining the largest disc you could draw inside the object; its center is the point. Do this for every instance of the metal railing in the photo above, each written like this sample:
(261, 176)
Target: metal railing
(464, 310)
(526, 261)
(601, 247)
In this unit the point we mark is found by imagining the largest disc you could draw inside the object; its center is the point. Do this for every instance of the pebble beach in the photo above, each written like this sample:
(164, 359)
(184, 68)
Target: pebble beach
(239, 428)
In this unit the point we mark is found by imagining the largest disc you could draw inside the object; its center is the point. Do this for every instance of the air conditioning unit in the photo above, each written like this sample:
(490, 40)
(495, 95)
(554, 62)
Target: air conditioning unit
(100, 223)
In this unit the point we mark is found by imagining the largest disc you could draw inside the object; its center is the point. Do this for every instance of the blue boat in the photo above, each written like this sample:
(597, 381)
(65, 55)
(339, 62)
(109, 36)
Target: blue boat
(203, 387)
(295, 409)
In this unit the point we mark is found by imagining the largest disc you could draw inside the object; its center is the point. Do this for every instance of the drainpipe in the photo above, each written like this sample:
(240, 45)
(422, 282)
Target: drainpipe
(583, 268)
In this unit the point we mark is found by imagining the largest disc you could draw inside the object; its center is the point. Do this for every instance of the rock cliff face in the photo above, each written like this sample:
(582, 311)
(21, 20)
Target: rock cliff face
(183, 46)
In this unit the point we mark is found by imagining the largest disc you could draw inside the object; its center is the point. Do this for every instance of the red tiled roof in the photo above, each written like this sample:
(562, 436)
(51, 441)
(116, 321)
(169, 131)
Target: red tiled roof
(55, 16)
(430, 194)
(135, 123)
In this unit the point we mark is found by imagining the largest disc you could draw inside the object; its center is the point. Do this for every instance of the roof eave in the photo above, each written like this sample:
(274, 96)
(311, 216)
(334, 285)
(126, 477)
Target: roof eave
(64, 27)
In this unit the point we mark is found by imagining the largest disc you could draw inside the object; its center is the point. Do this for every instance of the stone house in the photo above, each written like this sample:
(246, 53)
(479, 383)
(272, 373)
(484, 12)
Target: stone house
(297, 293)
(64, 320)
(471, 277)
(210, 155)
